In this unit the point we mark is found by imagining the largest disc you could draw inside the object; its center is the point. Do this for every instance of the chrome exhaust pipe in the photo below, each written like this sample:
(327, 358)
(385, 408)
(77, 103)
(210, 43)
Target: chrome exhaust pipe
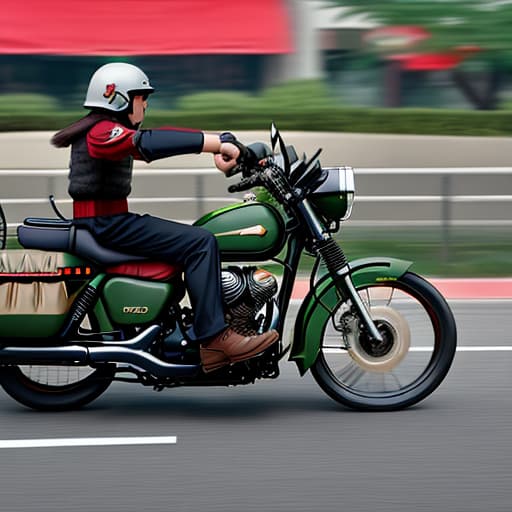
(70, 355)
(132, 352)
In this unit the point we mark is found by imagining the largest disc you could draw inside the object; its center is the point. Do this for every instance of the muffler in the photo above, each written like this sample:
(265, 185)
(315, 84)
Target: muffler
(132, 352)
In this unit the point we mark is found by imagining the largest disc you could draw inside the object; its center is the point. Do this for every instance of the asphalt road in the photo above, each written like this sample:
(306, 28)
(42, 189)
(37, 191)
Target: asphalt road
(280, 445)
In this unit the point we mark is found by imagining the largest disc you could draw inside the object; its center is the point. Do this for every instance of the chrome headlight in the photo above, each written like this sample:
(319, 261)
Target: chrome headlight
(347, 183)
(334, 198)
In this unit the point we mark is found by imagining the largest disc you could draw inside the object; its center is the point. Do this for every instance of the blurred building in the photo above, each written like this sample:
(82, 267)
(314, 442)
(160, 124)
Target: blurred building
(323, 37)
(52, 47)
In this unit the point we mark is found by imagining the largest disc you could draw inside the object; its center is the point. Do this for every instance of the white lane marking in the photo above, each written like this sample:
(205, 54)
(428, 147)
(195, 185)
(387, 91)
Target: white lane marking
(86, 441)
(497, 348)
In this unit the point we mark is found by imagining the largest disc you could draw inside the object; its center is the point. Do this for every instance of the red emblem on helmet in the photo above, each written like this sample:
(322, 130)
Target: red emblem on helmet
(109, 91)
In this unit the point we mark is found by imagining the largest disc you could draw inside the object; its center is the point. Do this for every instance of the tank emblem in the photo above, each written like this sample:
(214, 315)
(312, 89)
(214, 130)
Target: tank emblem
(258, 230)
(136, 310)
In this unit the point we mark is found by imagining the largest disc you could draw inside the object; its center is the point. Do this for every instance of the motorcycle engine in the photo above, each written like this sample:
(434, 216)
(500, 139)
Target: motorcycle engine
(245, 292)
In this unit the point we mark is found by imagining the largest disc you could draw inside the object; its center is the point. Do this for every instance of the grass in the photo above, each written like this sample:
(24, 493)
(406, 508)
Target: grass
(467, 252)
(463, 252)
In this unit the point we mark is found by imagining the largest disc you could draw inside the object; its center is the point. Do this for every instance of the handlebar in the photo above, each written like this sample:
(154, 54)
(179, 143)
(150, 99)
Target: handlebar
(245, 184)
(261, 167)
(270, 175)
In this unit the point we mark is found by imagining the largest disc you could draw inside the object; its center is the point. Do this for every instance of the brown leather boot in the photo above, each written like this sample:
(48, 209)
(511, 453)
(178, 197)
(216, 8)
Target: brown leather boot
(230, 347)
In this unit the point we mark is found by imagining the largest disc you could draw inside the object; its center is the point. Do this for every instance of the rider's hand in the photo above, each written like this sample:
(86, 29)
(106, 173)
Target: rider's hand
(227, 158)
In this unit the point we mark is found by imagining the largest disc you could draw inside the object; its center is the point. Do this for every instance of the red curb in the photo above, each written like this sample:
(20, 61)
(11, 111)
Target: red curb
(451, 288)
(475, 288)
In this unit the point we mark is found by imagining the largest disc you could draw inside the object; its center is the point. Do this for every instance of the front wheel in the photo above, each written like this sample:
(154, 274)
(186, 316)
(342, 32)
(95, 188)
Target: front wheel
(419, 342)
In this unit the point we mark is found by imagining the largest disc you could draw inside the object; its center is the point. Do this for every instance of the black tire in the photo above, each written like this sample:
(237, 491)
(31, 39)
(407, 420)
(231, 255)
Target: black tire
(57, 388)
(43, 396)
(3, 229)
(424, 314)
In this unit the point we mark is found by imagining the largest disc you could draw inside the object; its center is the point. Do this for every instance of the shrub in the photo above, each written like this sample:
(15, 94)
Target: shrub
(29, 103)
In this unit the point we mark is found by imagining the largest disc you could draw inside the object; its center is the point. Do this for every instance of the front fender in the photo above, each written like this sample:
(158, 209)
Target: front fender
(316, 307)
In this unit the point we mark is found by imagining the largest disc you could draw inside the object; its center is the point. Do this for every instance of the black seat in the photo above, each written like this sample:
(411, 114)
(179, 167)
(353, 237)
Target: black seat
(62, 236)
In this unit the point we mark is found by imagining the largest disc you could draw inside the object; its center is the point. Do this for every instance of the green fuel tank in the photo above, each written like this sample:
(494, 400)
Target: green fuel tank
(249, 231)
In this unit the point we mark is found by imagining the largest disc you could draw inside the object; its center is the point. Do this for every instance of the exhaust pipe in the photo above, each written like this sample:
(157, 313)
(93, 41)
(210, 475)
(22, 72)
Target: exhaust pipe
(132, 352)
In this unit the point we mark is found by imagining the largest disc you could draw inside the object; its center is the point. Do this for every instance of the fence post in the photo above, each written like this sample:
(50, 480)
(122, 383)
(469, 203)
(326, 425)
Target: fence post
(446, 215)
(199, 195)
(51, 191)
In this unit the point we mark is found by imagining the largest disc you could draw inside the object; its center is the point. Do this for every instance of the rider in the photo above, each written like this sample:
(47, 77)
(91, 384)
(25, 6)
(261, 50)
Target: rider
(103, 146)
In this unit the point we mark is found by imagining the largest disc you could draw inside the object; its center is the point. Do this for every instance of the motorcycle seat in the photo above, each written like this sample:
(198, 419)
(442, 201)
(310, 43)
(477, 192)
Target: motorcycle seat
(62, 236)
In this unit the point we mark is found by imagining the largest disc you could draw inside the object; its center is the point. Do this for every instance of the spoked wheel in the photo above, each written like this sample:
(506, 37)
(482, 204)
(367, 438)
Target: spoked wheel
(56, 388)
(417, 348)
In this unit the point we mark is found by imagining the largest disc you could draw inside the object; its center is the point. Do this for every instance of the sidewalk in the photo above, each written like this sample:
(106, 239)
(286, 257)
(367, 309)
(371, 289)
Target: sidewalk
(451, 288)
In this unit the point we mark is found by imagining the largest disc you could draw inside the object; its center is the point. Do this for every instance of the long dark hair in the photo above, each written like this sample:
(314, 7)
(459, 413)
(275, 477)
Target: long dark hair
(66, 136)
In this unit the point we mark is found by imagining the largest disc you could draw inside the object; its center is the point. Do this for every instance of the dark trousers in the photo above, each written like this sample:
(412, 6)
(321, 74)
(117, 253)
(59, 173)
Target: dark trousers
(192, 247)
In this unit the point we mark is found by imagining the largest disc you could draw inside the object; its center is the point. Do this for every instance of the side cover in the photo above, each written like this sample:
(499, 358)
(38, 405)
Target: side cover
(135, 301)
(315, 310)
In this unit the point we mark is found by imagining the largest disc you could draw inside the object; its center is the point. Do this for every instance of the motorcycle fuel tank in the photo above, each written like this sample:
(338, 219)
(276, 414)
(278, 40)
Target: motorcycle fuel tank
(250, 231)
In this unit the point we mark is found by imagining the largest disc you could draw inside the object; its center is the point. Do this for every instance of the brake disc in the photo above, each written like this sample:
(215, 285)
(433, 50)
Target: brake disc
(380, 357)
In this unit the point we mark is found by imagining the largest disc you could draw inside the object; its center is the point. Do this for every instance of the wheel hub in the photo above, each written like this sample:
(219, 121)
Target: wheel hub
(382, 356)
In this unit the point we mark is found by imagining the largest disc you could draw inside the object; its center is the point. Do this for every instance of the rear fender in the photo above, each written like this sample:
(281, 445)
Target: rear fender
(316, 307)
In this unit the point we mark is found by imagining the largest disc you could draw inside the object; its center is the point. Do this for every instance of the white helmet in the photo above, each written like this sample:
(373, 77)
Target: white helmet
(111, 84)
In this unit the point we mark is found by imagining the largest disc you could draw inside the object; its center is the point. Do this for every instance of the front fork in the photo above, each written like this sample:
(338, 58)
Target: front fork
(334, 258)
(361, 308)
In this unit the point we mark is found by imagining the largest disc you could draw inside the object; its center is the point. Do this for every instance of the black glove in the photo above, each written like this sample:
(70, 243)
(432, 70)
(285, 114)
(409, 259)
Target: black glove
(246, 159)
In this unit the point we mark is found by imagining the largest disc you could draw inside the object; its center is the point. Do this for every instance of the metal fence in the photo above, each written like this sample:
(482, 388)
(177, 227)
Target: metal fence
(384, 196)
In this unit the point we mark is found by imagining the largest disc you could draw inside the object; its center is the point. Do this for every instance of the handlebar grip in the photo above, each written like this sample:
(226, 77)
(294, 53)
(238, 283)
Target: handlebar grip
(245, 184)
(234, 170)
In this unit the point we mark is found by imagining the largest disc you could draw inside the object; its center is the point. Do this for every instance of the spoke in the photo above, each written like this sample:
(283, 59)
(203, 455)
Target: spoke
(334, 342)
(368, 298)
(388, 379)
(390, 295)
(56, 375)
(350, 374)
(379, 382)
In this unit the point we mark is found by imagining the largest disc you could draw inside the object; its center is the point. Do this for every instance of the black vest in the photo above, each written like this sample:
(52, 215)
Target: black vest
(94, 178)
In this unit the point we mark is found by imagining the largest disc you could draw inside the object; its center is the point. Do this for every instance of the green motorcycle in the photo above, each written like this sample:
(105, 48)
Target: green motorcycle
(76, 316)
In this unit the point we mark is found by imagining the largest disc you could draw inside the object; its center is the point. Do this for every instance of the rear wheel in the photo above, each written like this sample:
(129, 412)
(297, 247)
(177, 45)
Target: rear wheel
(54, 388)
(57, 388)
(418, 346)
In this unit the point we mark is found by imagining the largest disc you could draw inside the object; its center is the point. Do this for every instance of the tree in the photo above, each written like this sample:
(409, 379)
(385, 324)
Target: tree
(454, 25)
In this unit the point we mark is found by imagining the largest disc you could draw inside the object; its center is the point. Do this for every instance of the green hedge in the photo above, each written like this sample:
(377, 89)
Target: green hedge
(357, 120)
(301, 105)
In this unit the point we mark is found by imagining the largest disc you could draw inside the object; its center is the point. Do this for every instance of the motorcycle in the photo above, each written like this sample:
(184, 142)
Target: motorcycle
(76, 316)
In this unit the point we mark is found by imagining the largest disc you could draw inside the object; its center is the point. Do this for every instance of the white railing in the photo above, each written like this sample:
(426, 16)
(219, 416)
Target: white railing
(445, 199)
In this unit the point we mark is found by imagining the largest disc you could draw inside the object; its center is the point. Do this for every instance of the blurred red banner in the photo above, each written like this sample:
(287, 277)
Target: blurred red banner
(427, 61)
(144, 27)
(434, 61)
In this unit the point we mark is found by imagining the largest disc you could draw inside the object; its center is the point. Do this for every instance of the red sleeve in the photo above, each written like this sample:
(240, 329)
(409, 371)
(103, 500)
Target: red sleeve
(111, 141)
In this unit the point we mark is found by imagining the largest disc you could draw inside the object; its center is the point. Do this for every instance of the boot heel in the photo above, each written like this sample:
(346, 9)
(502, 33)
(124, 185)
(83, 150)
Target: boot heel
(215, 366)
